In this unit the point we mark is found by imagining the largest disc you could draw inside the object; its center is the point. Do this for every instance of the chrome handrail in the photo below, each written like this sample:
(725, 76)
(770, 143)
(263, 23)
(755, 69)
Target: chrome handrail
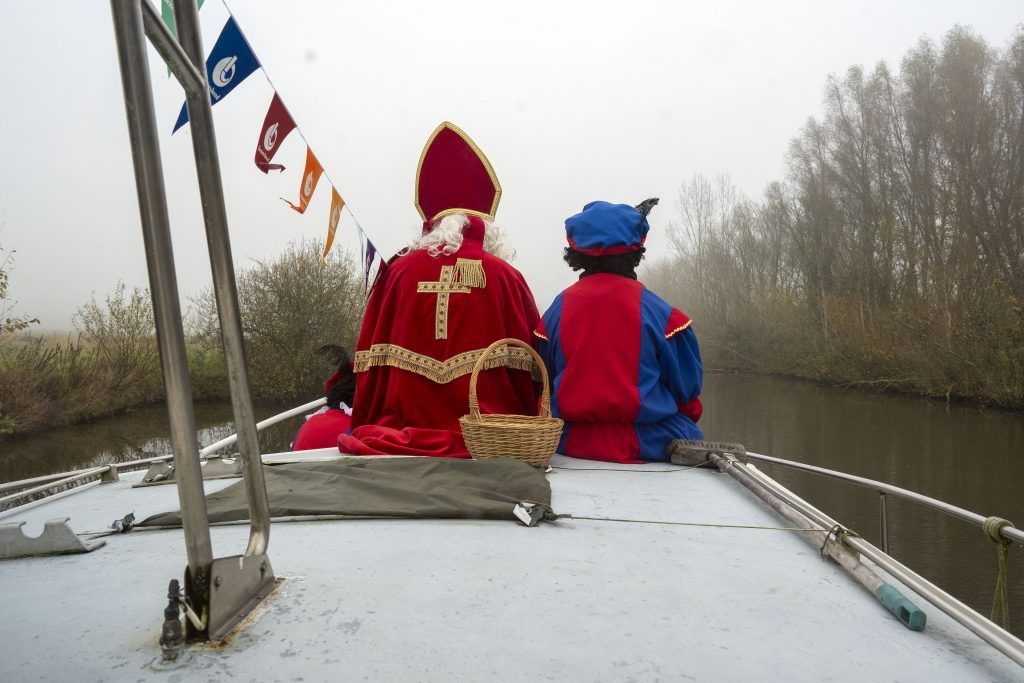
(225, 289)
(990, 632)
(1007, 532)
(62, 481)
(206, 452)
(163, 282)
(51, 481)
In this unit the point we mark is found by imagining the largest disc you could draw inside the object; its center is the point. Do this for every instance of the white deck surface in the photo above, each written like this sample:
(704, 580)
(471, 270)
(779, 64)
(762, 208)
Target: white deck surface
(479, 601)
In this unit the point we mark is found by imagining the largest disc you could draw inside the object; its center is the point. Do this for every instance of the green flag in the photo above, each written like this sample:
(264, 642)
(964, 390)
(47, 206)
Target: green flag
(167, 12)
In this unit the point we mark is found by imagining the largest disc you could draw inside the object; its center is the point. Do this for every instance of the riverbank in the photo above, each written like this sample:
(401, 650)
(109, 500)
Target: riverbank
(986, 372)
(291, 306)
(881, 390)
(140, 432)
(48, 383)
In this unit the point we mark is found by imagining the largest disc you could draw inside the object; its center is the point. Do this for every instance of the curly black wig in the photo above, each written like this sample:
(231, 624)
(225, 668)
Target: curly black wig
(617, 264)
(344, 390)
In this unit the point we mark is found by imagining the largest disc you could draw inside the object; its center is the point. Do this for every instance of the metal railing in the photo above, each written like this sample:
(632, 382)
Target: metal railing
(990, 632)
(26, 488)
(185, 56)
(1010, 533)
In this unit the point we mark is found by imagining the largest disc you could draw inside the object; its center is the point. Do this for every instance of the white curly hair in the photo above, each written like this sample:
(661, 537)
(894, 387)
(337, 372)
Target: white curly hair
(446, 238)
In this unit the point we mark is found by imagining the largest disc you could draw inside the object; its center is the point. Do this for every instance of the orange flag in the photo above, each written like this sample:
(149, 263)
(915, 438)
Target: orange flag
(337, 204)
(310, 177)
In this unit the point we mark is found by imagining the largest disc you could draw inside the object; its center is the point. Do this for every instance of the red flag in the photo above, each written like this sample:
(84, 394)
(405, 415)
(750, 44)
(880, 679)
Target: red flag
(276, 127)
(310, 177)
(337, 203)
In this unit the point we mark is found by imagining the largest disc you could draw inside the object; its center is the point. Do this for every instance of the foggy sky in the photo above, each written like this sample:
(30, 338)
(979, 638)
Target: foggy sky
(571, 102)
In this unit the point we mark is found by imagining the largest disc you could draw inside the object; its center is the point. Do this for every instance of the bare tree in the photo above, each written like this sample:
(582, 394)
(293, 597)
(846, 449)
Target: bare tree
(893, 248)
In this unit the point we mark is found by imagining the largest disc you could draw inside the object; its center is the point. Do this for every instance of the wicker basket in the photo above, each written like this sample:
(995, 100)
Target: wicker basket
(530, 439)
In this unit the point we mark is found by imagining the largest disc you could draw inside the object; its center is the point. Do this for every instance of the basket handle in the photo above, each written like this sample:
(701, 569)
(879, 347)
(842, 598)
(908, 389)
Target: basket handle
(545, 398)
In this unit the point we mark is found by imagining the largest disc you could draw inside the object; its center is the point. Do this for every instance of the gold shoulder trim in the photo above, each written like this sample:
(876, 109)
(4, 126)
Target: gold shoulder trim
(678, 330)
(435, 370)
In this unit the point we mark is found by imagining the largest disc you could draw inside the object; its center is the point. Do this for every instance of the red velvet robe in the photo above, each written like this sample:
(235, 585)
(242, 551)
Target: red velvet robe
(418, 344)
(321, 430)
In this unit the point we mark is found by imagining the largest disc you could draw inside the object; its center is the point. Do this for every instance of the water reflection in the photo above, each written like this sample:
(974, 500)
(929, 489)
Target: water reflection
(141, 433)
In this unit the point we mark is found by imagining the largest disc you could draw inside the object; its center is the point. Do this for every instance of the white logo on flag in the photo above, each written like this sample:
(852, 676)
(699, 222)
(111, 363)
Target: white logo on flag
(270, 139)
(307, 188)
(224, 71)
(335, 217)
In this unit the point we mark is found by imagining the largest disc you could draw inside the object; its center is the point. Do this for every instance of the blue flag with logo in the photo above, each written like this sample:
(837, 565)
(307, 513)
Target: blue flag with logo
(230, 62)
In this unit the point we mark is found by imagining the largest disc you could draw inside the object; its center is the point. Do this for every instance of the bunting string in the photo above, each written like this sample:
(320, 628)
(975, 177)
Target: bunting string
(232, 60)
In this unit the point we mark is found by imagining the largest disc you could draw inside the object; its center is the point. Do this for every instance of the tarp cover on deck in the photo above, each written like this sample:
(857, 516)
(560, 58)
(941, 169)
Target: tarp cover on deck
(385, 487)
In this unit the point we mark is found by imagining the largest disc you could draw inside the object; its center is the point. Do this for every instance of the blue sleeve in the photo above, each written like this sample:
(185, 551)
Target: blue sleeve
(681, 367)
(543, 349)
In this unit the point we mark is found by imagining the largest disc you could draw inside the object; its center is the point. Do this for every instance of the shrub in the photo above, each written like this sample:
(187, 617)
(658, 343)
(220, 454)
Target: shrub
(120, 336)
(291, 305)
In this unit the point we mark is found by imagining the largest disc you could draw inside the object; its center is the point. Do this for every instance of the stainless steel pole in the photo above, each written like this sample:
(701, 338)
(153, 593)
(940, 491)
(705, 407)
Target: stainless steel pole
(204, 146)
(889, 596)
(1009, 532)
(190, 78)
(883, 521)
(163, 284)
(1002, 640)
(206, 452)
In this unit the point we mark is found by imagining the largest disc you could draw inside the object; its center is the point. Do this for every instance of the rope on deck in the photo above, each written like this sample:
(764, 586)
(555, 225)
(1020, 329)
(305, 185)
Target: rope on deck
(1001, 600)
(840, 532)
(688, 468)
(673, 523)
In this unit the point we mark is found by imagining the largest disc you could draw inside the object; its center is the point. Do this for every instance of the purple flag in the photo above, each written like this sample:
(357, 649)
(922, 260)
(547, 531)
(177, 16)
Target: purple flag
(368, 259)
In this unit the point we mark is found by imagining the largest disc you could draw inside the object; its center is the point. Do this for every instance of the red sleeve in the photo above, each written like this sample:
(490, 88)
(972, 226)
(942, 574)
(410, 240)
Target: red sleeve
(693, 409)
(677, 322)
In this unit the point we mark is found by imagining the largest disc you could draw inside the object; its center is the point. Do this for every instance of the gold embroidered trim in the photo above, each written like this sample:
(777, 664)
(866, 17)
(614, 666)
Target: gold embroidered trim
(470, 273)
(487, 165)
(538, 334)
(438, 371)
(457, 279)
(678, 330)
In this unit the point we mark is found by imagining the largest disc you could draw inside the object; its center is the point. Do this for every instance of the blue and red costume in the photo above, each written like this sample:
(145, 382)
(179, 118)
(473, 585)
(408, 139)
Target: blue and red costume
(625, 366)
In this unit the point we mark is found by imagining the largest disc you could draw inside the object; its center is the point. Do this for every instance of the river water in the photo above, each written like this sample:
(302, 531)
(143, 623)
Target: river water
(969, 457)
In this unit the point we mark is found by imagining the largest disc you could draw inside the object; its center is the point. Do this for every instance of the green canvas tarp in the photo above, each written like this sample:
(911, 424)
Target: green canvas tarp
(436, 488)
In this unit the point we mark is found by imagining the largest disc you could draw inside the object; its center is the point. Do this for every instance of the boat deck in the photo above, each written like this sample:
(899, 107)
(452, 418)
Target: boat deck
(482, 600)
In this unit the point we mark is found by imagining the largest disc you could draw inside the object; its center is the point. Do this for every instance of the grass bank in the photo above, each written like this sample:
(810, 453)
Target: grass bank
(291, 305)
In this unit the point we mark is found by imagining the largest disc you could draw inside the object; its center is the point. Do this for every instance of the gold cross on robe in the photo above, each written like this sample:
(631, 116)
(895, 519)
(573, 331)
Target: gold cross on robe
(457, 279)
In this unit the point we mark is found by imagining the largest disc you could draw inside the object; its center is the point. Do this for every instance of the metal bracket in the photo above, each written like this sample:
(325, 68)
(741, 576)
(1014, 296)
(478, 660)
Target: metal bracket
(57, 539)
(695, 453)
(214, 468)
(237, 584)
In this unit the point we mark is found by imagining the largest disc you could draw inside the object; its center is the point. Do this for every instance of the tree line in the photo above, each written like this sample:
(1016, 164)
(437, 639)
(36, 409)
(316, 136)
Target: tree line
(891, 253)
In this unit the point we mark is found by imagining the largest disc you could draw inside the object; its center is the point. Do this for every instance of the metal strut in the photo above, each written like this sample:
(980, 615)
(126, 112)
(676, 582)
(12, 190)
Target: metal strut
(133, 18)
